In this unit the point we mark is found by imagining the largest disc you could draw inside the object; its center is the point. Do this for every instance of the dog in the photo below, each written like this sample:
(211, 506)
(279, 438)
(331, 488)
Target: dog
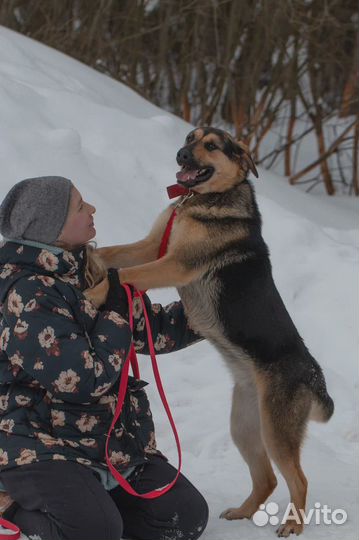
(220, 265)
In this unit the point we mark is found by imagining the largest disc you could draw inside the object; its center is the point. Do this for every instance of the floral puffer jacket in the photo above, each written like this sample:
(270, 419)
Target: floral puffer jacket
(61, 360)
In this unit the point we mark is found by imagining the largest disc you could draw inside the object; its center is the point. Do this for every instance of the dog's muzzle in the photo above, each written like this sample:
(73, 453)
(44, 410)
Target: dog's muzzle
(191, 173)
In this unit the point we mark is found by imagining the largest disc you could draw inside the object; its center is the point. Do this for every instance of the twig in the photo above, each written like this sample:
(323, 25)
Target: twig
(323, 157)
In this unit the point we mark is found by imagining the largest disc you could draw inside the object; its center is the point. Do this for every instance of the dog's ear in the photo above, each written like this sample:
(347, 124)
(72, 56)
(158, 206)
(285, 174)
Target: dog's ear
(246, 155)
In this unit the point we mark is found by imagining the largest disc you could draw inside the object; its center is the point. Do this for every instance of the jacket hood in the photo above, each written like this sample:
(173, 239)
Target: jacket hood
(18, 260)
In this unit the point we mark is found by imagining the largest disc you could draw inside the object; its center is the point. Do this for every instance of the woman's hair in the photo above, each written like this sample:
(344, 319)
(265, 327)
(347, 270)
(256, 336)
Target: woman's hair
(95, 270)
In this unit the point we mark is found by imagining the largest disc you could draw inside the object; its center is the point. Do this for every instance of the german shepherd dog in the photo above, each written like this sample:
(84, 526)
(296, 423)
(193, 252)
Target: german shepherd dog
(220, 265)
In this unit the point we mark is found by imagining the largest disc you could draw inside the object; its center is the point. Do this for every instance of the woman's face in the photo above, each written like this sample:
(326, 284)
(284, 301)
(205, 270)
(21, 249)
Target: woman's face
(79, 226)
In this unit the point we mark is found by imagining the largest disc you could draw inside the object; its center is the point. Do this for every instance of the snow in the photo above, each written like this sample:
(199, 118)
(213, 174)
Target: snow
(59, 117)
(305, 151)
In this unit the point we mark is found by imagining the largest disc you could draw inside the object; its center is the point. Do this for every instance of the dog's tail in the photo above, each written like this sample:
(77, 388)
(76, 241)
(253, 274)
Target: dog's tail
(322, 404)
(322, 408)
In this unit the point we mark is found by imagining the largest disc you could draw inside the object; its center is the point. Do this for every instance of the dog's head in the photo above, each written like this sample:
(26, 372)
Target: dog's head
(212, 160)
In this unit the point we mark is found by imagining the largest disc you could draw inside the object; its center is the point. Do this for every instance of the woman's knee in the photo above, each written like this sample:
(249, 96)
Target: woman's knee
(111, 531)
(191, 511)
(197, 515)
(101, 526)
(76, 527)
(182, 514)
(98, 527)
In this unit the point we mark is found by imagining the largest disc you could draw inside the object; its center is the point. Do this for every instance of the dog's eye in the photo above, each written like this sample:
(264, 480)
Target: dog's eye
(210, 146)
(189, 138)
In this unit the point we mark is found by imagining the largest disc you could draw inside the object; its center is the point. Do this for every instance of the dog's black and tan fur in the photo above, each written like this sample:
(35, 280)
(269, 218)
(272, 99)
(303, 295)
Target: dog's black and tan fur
(220, 264)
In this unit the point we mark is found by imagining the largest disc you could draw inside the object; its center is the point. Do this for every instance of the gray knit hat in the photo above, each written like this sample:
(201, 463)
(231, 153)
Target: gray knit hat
(36, 209)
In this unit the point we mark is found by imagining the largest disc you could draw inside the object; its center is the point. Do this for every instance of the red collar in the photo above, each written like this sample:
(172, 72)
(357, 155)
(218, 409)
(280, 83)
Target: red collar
(176, 191)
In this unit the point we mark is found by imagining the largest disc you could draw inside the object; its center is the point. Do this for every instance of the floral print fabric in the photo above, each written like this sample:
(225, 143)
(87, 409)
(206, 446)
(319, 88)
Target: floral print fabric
(61, 360)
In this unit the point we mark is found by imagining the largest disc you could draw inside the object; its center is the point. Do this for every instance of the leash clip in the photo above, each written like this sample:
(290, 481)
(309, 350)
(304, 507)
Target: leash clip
(185, 198)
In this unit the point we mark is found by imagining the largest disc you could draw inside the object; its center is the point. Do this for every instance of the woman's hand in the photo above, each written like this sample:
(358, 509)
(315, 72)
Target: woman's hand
(116, 297)
(109, 294)
(98, 294)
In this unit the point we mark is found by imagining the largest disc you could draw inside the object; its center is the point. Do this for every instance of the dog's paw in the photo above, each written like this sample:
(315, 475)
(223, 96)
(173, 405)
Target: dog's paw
(97, 295)
(234, 513)
(289, 527)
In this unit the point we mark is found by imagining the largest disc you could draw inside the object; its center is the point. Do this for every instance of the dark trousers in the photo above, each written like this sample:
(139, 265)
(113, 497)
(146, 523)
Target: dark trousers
(63, 500)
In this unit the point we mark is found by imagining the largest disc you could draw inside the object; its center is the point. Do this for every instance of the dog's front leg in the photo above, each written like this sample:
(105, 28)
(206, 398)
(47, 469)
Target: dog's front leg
(128, 254)
(165, 272)
(98, 294)
(141, 252)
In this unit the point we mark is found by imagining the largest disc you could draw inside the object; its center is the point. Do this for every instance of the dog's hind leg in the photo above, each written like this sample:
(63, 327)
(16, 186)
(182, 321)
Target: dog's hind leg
(284, 414)
(245, 430)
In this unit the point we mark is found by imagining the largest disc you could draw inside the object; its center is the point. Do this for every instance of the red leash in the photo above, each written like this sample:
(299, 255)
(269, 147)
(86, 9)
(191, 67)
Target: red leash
(173, 191)
(132, 359)
(166, 236)
(162, 251)
(14, 535)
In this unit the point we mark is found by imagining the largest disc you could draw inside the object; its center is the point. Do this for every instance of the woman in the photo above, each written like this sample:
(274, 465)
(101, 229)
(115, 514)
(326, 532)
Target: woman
(60, 366)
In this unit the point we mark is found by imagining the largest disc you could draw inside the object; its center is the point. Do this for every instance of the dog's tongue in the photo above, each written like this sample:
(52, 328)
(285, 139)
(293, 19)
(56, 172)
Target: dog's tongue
(186, 176)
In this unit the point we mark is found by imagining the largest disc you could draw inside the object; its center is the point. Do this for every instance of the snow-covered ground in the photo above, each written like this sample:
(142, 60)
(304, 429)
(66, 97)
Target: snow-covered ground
(59, 117)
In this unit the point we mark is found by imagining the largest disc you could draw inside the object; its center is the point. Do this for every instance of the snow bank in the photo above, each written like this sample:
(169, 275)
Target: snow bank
(59, 117)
